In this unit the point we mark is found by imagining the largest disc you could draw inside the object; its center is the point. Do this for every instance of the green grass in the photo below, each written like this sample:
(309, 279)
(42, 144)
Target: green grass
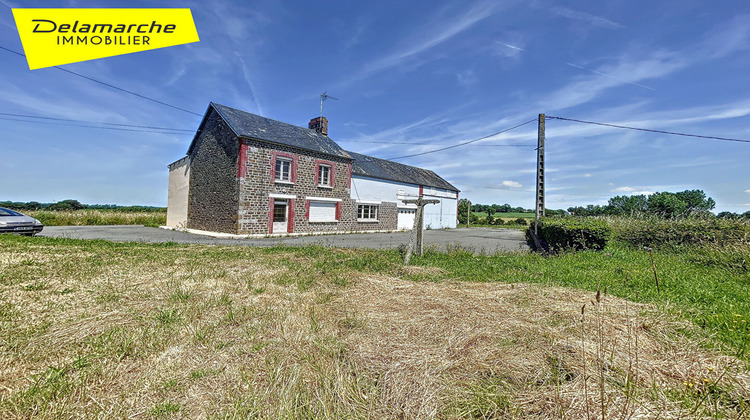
(696, 282)
(715, 298)
(167, 320)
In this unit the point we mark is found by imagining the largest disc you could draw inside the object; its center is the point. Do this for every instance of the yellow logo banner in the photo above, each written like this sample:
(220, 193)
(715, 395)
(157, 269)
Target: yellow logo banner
(51, 37)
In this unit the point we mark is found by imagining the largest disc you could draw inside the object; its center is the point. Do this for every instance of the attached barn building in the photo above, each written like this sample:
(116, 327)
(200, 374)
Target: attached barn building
(250, 175)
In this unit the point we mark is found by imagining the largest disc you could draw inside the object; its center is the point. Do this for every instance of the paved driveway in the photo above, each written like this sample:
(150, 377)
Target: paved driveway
(480, 240)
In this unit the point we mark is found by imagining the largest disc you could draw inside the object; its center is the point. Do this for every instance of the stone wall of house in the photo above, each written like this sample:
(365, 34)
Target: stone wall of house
(213, 197)
(257, 188)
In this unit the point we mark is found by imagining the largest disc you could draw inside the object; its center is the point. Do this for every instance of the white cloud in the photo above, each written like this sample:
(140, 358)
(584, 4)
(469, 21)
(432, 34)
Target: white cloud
(586, 17)
(467, 78)
(249, 79)
(623, 189)
(427, 37)
(747, 191)
(511, 184)
(633, 190)
(507, 50)
(587, 175)
(729, 37)
(626, 70)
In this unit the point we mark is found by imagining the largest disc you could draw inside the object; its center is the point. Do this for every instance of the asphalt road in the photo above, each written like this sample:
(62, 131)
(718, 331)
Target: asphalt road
(479, 240)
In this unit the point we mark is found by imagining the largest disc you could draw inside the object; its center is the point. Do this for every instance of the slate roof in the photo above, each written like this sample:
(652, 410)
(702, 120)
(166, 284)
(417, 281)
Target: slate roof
(248, 125)
(373, 167)
(245, 124)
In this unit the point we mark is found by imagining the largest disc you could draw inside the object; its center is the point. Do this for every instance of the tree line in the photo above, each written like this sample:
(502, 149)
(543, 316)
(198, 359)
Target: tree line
(67, 205)
(668, 205)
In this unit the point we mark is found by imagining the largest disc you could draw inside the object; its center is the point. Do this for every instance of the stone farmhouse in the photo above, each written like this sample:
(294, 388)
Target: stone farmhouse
(249, 175)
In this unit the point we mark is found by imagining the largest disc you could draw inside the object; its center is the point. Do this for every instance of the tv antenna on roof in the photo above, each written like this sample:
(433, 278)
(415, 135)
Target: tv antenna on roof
(323, 97)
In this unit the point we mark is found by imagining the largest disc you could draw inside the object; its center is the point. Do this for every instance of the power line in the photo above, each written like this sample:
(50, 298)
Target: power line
(409, 143)
(91, 126)
(110, 85)
(90, 122)
(650, 130)
(466, 142)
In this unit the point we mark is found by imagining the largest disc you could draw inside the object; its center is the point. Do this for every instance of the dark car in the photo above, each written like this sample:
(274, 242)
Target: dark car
(15, 222)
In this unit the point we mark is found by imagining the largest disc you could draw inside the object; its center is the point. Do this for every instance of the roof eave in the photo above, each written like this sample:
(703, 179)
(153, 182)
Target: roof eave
(344, 156)
(400, 181)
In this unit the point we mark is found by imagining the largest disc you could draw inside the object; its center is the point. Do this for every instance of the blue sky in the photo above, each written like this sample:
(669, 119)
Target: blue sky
(410, 77)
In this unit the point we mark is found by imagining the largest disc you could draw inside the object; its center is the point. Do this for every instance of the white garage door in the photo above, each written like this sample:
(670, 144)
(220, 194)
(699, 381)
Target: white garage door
(322, 211)
(406, 218)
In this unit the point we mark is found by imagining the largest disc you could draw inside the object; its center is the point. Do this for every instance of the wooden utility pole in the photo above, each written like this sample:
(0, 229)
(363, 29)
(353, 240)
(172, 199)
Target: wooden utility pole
(539, 210)
(417, 230)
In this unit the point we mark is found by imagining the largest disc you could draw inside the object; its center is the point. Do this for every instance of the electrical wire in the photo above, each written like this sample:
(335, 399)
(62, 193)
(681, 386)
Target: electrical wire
(650, 130)
(464, 143)
(110, 85)
(92, 122)
(406, 142)
(92, 126)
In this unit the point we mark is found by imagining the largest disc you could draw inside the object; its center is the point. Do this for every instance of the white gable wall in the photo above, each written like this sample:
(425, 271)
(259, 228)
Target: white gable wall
(177, 198)
(441, 215)
(437, 216)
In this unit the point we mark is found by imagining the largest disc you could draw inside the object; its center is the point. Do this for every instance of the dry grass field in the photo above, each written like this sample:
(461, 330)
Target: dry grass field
(98, 217)
(90, 329)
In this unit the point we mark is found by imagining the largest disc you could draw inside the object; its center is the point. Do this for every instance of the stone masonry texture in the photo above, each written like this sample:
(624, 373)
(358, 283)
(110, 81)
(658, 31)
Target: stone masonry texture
(212, 200)
(257, 183)
(232, 196)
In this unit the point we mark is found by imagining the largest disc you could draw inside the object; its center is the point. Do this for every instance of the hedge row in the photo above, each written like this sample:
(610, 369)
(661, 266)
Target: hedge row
(654, 232)
(574, 233)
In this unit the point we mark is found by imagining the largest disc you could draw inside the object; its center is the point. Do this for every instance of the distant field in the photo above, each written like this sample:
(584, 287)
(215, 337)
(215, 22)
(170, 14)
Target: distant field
(98, 217)
(505, 215)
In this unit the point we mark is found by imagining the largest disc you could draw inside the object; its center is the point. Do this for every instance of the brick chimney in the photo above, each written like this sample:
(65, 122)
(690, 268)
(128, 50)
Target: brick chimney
(319, 124)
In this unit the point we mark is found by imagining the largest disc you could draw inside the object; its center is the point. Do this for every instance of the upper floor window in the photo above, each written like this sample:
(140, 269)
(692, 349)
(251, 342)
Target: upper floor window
(283, 169)
(324, 175)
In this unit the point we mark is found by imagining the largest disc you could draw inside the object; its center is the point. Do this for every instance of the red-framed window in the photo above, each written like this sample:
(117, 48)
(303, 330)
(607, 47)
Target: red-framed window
(283, 167)
(325, 173)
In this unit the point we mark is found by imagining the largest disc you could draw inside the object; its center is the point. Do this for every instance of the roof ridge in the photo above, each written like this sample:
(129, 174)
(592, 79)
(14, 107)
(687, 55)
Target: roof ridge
(267, 118)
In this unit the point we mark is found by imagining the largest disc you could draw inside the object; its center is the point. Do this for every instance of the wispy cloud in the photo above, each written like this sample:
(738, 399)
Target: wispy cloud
(507, 50)
(511, 184)
(585, 17)
(360, 27)
(626, 70)
(249, 80)
(733, 35)
(426, 37)
(467, 78)
(513, 47)
(610, 76)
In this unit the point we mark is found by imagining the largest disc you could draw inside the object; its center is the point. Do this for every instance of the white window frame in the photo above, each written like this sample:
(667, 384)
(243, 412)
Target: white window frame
(367, 212)
(280, 174)
(324, 181)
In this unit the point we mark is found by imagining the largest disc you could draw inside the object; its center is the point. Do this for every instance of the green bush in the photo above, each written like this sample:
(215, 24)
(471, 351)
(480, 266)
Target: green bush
(657, 232)
(574, 233)
(520, 221)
